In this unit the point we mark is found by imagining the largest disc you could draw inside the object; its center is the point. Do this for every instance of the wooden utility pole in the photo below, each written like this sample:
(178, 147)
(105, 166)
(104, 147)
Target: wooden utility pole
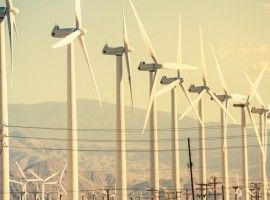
(235, 192)
(203, 187)
(190, 165)
(214, 183)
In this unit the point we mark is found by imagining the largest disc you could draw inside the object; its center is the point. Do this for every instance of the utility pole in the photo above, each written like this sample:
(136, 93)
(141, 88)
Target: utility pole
(190, 165)
(214, 183)
(257, 187)
(235, 192)
(203, 187)
(187, 194)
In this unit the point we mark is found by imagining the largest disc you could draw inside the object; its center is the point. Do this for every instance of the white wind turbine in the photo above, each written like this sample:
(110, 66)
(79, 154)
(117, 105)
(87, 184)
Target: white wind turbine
(154, 71)
(69, 35)
(60, 184)
(171, 86)
(24, 182)
(262, 115)
(242, 106)
(10, 11)
(225, 99)
(121, 176)
(44, 182)
(202, 91)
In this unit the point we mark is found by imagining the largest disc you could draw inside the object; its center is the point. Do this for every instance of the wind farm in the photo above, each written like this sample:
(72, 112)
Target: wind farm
(194, 127)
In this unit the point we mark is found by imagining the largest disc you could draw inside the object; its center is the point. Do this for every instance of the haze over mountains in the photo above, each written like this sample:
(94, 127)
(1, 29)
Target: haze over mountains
(96, 144)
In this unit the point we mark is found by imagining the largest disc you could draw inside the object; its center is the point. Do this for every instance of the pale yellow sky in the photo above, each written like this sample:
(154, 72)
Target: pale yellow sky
(239, 31)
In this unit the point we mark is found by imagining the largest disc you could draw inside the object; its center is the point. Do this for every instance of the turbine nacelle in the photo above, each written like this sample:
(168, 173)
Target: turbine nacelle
(241, 105)
(151, 67)
(3, 12)
(58, 32)
(259, 110)
(166, 81)
(197, 89)
(116, 51)
(222, 97)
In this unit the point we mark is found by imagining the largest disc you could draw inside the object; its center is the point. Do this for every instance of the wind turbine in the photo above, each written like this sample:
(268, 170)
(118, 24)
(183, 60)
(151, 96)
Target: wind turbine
(10, 11)
(60, 184)
(225, 99)
(24, 182)
(121, 176)
(171, 86)
(202, 91)
(262, 115)
(242, 106)
(69, 35)
(154, 70)
(44, 182)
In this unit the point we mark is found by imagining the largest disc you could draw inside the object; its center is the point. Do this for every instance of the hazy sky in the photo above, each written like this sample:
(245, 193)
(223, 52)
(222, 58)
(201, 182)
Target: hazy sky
(239, 31)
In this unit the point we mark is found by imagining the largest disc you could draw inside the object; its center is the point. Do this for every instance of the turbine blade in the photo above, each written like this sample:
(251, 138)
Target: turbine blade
(220, 104)
(183, 87)
(21, 171)
(203, 61)
(34, 174)
(82, 42)
(63, 189)
(145, 37)
(130, 82)
(152, 96)
(257, 95)
(238, 97)
(255, 129)
(225, 128)
(9, 4)
(125, 34)
(179, 51)
(167, 88)
(50, 177)
(10, 19)
(174, 66)
(63, 173)
(15, 28)
(17, 182)
(198, 98)
(257, 82)
(266, 136)
(221, 77)
(78, 14)
(68, 39)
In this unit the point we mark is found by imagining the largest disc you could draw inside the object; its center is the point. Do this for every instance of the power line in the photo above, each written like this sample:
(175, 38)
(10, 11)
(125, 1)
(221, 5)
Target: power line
(127, 129)
(128, 150)
(131, 141)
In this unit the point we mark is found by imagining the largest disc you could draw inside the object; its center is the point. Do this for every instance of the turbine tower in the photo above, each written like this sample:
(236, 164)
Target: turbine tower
(262, 115)
(242, 106)
(154, 70)
(202, 91)
(10, 11)
(69, 35)
(121, 177)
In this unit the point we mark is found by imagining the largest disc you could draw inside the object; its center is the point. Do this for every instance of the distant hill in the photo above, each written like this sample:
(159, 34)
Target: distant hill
(96, 165)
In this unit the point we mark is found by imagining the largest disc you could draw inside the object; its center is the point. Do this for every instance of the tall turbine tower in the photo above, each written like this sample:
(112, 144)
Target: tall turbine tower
(242, 106)
(10, 11)
(121, 177)
(262, 115)
(154, 70)
(202, 91)
(69, 35)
